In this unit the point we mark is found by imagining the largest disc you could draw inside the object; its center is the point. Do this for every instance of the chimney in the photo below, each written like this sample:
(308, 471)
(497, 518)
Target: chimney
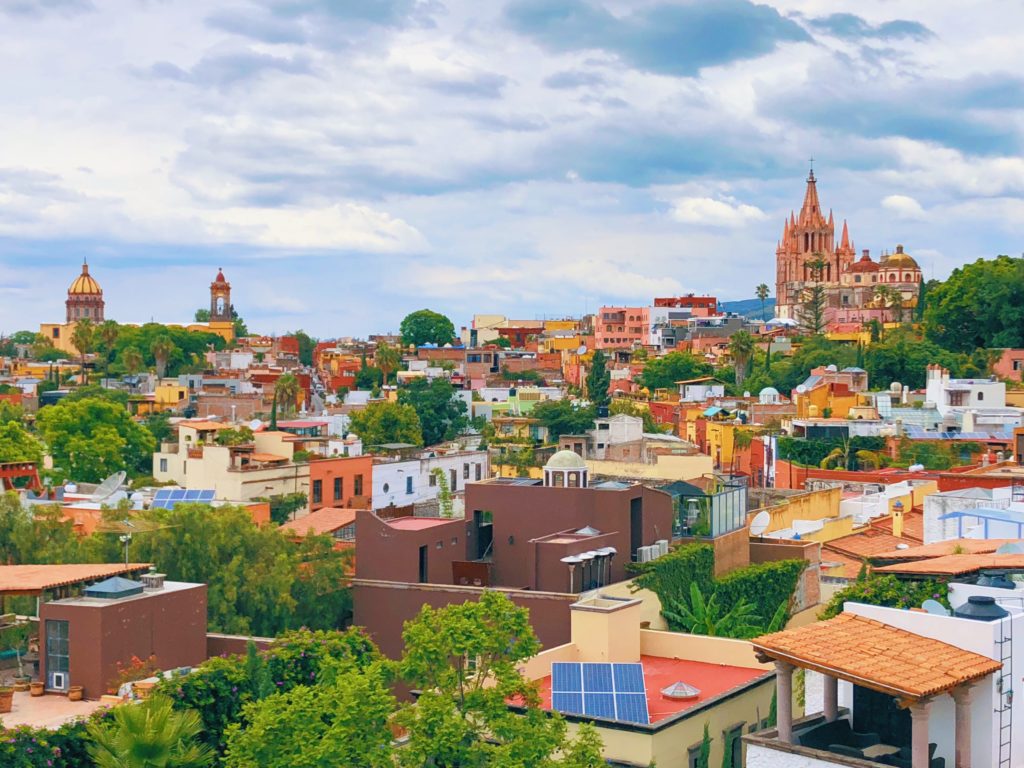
(897, 519)
(606, 628)
(153, 581)
(865, 254)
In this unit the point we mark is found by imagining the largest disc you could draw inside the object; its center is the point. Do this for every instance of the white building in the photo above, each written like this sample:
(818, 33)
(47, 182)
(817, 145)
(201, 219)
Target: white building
(401, 482)
(699, 390)
(970, 405)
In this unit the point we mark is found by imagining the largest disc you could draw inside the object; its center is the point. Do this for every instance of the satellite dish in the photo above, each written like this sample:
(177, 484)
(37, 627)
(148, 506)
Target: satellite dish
(108, 486)
(255, 424)
(935, 608)
(582, 350)
(760, 523)
(1011, 548)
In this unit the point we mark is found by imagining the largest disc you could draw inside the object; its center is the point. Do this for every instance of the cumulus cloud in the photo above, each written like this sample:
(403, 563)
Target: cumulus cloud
(903, 206)
(852, 27)
(710, 212)
(39, 8)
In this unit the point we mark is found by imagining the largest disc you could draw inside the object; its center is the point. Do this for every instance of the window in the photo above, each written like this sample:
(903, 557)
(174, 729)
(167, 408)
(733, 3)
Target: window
(357, 485)
(733, 741)
(1018, 365)
(981, 395)
(693, 756)
(408, 484)
(318, 491)
(163, 465)
(432, 480)
(387, 487)
(57, 653)
(453, 480)
(479, 470)
(856, 278)
(56, 333)
(465, 471)
(339, 488)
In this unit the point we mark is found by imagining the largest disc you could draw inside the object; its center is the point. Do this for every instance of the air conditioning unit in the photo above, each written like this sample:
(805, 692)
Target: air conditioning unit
(643, 554)
(59, 681)
(662, 545)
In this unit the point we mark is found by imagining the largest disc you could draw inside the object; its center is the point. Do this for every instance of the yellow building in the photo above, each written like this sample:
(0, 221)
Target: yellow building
(690, 681)
(84, 302)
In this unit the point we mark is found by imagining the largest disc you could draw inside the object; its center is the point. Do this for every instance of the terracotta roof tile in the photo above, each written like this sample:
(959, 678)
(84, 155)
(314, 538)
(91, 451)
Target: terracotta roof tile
(955, 565)
(866, 543)
(913, 525)
(326, 520)
(204, 425)
(30, 579)
(939, 548)
(877, 656)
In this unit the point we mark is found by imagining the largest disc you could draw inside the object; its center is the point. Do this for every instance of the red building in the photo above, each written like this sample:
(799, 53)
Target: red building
(340, 482)
(699, 306)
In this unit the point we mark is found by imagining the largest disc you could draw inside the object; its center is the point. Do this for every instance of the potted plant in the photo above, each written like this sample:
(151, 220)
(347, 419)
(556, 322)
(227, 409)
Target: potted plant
(36, 688)
(6, 698)
(75, 693)
(15, 638)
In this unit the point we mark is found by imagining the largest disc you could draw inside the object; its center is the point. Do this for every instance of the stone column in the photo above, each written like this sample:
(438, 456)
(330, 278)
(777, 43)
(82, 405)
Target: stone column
(831, 698)
(963, 697)
(919, 733)
(784, 701)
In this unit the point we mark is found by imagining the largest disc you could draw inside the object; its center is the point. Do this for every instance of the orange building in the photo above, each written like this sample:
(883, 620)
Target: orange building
(344, 481)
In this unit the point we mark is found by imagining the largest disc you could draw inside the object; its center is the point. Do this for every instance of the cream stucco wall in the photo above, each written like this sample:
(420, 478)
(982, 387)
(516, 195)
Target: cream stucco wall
(667, 468)
(650, 605)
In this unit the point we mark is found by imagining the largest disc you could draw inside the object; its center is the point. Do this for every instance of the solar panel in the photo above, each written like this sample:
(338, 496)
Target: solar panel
(206, 495)
(166, 498)
(599, 705)
(611, 691)
(192, 495)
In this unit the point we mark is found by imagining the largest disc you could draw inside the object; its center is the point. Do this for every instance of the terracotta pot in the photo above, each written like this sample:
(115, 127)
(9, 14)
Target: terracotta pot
(110, 700)
(37, 689)
(6, 699)
(20, 687)
(143, 689)
(75, 693)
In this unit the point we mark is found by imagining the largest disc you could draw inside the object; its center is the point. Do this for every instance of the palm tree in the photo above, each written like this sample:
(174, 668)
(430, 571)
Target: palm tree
(741, 347)
(888, 297)
(388, 358)
(742, 439)
(705, 617)
(151, 734)
(162, 349)
(83, 339)
(108, 331)
(131, 359)
(286, 391)
(762, 293)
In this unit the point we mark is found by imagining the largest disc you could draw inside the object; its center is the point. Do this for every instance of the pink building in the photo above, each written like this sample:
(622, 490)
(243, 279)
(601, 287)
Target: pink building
(621, 327)
(1010, 365)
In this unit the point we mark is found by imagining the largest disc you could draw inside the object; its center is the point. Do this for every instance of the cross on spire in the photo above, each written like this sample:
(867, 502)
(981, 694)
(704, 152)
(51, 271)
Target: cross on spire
(811, 175)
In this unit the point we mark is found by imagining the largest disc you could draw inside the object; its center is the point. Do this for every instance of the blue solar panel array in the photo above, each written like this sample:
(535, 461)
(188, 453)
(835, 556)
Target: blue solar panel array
(611, 691)
(166, 498)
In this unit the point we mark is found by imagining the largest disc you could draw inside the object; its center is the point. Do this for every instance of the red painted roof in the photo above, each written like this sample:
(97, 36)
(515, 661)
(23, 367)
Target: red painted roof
(417, 523)
(301, 424)
(711, 679)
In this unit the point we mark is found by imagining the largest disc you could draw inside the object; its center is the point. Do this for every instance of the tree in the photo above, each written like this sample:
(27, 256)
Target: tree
(813, 306)
(93, 437)
(741, 347)
(240, 327)
(442, 415)
(888, 298)
(83, 339)
(426, 327)
(562, 417)
(980, 305)
(464, 658)
(706, 617)
(632, 409)
(306, 346)
(107, 334)
(286, 392)
(162, 348)
(151, 734)
(239, 436)
(43, 349)
(202, 315)
(342, 721)
(131, 359)
(704, 755)
(502, 341)
(368, 376)
(387, 422)
(599, 379)
(16, 444)
(762, 293)
(388, 359)
(664, 372)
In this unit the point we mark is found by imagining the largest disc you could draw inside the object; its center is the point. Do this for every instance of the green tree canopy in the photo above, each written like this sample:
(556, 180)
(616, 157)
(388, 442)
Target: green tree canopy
(202, 315)
(598, 380)
(17, 444)
(980, 305)
(563, 417)
(664, 372)
(306, 346)
(93, 437)
(442, 415)
(426, 327)
(387, 422)
(632, 409)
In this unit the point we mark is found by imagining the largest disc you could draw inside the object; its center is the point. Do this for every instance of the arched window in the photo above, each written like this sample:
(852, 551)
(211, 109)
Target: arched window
(892, 278)
(981, 395)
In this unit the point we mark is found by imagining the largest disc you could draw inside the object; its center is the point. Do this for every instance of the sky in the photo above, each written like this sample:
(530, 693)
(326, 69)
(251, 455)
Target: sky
(349, 161)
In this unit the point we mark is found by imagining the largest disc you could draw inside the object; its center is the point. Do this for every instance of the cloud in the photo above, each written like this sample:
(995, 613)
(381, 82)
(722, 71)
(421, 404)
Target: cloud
(224, 70)
(40, 8)
(478, 85)
(903, 207)
(574, 78)
(665, 38)
(710, 212)
(851, 27)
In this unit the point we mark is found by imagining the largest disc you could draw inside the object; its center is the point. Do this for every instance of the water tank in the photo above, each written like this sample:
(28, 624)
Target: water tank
(981, 608)
(995, 579)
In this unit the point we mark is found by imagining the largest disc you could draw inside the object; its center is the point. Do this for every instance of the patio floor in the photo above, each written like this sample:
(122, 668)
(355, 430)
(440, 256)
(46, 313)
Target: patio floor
(49, 711)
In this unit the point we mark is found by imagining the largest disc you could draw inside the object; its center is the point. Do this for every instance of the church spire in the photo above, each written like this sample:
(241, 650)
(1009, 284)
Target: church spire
(844, 243)
(811, 209)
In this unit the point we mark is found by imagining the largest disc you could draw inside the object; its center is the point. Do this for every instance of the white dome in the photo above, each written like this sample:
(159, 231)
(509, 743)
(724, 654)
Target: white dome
(768, 391)
(566, 460)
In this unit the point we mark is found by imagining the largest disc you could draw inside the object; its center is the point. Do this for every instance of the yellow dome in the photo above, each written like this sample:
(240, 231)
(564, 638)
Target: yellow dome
(899, 260)
(84, 284)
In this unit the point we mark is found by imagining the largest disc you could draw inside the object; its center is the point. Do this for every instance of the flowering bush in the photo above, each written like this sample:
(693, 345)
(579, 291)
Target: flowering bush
(65, 747)
(889, 591)
(135, 669)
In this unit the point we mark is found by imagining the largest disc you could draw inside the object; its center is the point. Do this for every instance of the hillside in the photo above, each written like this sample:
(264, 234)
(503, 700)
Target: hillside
(750, 308)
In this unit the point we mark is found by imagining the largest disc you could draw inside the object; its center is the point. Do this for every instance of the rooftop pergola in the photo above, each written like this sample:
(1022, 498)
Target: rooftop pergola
(36, 580)
(892, 661)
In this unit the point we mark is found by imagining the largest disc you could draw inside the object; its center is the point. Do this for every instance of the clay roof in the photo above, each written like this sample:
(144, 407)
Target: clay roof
(267, 457)
(913, 525)
(877, 656)
(866, 543)
(939, 548)
(203, 425)
(846, 567)
(326, 520)
(955, 565)
(32, 579)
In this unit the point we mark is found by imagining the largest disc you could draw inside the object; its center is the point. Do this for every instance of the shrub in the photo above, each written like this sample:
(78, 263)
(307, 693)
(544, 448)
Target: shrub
(888, 591)
(671, 575)
(765, 586)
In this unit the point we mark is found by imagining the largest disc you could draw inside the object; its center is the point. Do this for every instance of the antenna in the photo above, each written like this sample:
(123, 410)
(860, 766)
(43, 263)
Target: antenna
(760, 523)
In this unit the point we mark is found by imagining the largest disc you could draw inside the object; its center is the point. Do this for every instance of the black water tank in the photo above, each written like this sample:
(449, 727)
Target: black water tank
(995, 579)
(981, 608)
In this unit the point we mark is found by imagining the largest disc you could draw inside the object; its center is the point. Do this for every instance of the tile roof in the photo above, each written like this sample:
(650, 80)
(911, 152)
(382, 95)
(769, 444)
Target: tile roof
(325, 520)
(913, 525)
(939, 548)
(955, 565)
(838, 565)
(866, 543)
(877, 656)
(267, 457)
(31, 579)
(204, 425)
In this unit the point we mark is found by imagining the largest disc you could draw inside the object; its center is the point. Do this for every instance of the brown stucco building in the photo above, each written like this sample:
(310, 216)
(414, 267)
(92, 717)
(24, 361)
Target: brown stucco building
(542, 541)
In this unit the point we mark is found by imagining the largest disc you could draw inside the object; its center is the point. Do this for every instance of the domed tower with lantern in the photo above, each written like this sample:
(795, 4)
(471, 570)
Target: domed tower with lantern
(85, 298)
(220, 299)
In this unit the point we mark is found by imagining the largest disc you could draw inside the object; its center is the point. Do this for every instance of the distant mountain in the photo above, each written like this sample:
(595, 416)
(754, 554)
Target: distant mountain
(750, 308)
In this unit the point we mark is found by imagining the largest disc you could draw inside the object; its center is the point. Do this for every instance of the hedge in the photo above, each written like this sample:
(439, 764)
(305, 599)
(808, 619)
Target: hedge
(764, 585)
(889, 591)
(670, 575)
(63, 747)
